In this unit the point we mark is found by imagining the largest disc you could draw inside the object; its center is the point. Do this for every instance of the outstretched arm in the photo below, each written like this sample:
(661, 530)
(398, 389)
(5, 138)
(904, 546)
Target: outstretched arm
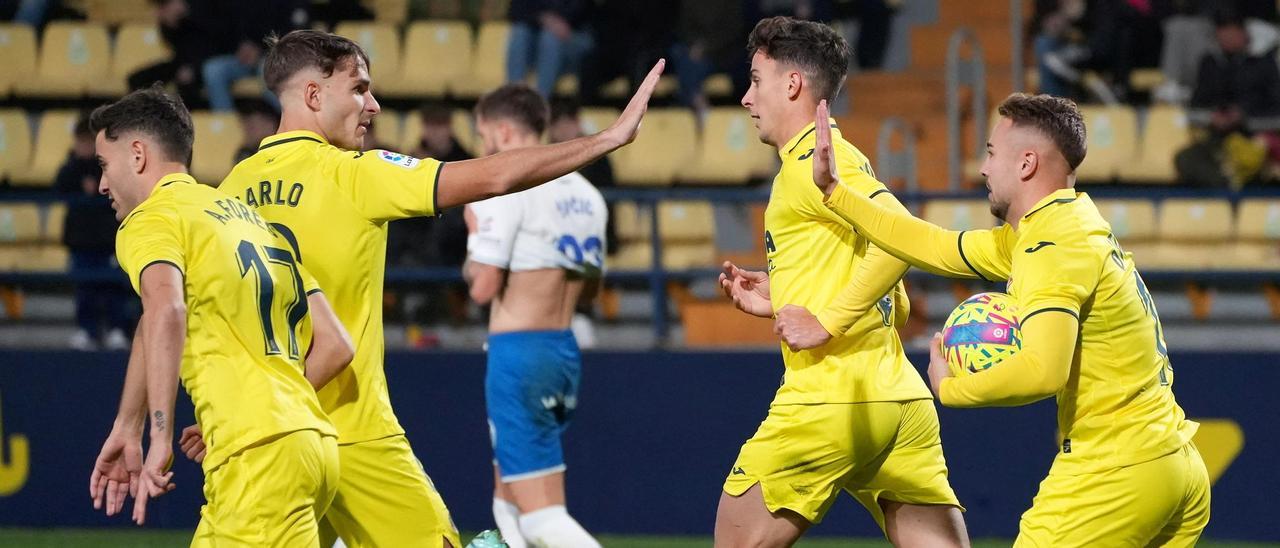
(968, 254)
(515, 170)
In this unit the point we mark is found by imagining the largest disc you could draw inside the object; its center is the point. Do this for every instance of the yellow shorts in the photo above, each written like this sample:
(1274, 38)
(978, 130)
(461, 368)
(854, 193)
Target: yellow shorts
(386, 499)
(1163, 502)
(271, 494)
(803, 455)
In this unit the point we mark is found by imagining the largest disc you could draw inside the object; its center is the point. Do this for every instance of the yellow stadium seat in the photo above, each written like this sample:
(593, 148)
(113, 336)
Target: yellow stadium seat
(1257, 245)
(218, 137)
(388, 129)
(248, 88)
(19, 223)
(43, 258)
(1111, 140)
(1165, 133)
(464, 130)
(718, 85)
(18, 49)
(10, 256)
(55, 219)
(136, 46)
(665, 145)
(115, 12)
(72, 54)
(410, 131)
(1133, 222)
(960, 214)
(634, 224)
(688, 233)
(488, 60)
(15, 142)
(393, 12)
(596, 119)
(437, 58)
(1193, 234)
(53, 141)
(728, 149)
(381, 42)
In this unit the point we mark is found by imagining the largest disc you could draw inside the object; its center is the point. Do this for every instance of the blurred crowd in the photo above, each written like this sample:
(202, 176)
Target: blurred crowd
(1216, 58)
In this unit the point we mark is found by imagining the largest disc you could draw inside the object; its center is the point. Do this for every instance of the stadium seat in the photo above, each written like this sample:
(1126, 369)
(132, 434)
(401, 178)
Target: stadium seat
(15, 142)
(728, 150)
(55, 219)
(488, 60)
(1133, 222)
(116, 12)
(1111, 139)
(392, 12)
(1165, 133)
(53, 141)
(633, 224)
(72, 54)
(218, 136)
(437, 58)
(688, 232)
(18, 49)
(665, 146)
(388, 129)
(464, 130)
(43, 258)
(1193, 234)
(136, 46)
(1257, 245)
(596, 119)
(960, 214)
(718, 85)
(19, 223)
(381, 42)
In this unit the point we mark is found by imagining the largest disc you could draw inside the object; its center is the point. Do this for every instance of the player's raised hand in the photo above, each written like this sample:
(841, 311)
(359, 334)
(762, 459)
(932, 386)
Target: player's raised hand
(748, 289)
(824, 161)
(627, 125)
(799, 328)
(115, 472)
(938, 368)
(155, 479)
(192, 443)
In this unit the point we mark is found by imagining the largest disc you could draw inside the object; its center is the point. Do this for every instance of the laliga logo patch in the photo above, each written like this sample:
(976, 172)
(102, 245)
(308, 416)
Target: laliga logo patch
(401, 160)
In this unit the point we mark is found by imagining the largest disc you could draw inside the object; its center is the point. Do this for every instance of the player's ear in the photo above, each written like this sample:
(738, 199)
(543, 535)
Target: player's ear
(138, 151)
(311, 95)
(795, 83)
(1030, 163)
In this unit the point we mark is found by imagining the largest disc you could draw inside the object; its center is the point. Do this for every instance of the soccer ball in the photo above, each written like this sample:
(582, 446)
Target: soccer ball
(980, 333)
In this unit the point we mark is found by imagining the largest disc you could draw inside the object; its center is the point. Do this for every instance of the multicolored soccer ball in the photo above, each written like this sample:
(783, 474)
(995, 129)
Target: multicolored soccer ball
(981, 332)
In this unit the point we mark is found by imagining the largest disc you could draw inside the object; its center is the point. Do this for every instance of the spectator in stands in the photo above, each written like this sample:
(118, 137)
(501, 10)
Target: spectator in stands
(709, 39)
(1237, 101)
(189, 45)
(1111, 37)
(90, 237)
(246, 25)
(258, 121)
(551, 34)
(629, 36)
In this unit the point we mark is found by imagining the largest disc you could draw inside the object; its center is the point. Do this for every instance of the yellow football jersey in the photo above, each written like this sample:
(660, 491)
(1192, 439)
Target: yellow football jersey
(247, 323)
(1117, 407)
(335, 204)
(812, 256)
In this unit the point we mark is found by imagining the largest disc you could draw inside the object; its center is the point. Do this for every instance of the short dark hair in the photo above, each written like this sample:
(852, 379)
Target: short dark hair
(82, 129)
(435, 112)
(516, 102)
(304, 49)
(1057, 118)
(153, 112)
(816, 49)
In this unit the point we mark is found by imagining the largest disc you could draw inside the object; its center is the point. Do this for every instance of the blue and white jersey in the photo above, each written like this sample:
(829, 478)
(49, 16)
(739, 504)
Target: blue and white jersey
(560, 224)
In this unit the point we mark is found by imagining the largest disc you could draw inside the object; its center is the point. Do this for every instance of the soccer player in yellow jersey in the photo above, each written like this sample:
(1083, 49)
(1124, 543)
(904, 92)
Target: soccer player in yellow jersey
(852, 414)
(313, 181)
(1127, 472)
(229, 310)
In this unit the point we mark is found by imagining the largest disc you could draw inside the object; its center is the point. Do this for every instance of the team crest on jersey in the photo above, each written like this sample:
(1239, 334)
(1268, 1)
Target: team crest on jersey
(402, 160)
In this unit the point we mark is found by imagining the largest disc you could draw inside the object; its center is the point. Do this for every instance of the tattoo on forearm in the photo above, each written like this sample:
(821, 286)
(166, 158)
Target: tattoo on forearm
(158, 421)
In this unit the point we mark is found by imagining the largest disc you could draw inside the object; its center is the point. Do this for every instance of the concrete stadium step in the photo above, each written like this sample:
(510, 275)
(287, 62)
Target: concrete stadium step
(929, 45)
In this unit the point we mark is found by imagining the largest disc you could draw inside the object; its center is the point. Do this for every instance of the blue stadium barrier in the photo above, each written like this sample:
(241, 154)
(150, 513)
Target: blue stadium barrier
(654, 438)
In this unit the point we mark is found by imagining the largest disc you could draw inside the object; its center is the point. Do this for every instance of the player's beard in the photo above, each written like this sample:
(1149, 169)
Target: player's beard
(999, 209)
